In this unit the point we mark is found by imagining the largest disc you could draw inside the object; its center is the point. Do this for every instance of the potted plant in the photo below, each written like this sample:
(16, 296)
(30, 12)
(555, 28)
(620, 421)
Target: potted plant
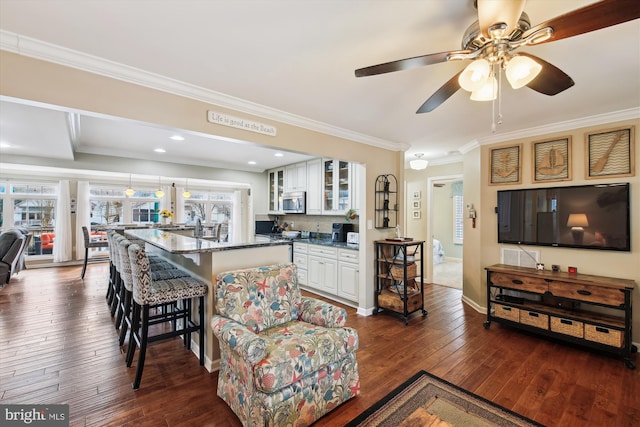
(351, 214)
(166, 215)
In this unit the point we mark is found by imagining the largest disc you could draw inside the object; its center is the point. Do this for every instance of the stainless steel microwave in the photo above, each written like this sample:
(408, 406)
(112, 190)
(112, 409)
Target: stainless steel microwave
(294, 202)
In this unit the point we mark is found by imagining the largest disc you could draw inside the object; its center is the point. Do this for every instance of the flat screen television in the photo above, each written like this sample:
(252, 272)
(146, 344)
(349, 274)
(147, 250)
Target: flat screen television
(585, 216)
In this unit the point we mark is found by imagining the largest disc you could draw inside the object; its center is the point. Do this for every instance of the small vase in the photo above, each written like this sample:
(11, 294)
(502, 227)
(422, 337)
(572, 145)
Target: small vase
(166, 221)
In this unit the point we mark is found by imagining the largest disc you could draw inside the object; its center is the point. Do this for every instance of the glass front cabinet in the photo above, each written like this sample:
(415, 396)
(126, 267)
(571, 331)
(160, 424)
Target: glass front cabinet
(276, 190)
(336, 186)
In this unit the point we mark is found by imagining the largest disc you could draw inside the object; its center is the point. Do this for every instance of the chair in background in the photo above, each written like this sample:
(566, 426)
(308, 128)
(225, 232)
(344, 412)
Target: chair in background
(12, 246)
(90, 244)
(285, 359)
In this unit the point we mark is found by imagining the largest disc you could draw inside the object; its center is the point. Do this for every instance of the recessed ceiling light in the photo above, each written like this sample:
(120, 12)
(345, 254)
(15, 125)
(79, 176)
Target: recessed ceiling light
(177, 138)
(160, 150)
(5, 145)
(252, 162)
(279, 155)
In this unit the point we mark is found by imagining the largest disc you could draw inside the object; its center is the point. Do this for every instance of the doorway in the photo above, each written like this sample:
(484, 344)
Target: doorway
(445, 230)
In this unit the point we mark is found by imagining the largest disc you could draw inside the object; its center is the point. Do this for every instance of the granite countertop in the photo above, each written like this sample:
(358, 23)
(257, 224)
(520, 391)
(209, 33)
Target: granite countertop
(328, 242)
(181, 244)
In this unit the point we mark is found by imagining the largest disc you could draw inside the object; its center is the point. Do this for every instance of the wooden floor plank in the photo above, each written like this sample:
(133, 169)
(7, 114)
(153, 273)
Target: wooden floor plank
(59, 345)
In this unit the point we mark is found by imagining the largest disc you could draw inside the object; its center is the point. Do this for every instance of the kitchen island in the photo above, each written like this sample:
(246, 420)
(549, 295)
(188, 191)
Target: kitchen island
(205, 259)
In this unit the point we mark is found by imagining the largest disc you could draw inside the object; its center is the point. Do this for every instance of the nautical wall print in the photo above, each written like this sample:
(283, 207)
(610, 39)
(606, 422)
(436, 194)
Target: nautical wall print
(552, 160)
(610, 153)
(506, 165)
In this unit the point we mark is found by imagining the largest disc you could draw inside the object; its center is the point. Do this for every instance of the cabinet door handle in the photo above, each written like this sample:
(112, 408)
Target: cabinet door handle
(517, 282)
(583, 292)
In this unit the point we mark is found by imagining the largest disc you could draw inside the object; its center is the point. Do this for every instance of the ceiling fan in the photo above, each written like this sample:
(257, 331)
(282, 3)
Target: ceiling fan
(491, 42)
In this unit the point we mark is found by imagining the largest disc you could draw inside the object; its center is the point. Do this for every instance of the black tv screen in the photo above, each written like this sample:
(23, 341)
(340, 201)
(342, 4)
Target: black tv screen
(586, 216)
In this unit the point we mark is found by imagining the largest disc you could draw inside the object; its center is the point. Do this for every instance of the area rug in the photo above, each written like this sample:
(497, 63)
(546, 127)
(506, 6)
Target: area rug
(426, 400)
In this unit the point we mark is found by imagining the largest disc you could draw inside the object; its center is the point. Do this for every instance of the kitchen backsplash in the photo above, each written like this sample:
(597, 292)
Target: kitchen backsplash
(314, 223)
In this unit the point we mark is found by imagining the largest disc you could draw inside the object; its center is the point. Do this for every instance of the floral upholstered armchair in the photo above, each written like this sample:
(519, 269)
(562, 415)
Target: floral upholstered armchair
(286, 359)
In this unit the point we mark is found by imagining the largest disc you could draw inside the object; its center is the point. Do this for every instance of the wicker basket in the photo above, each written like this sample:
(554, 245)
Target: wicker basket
(397, 271)
(533, 318)
(567, 327)
(604, 335)
(506, 312)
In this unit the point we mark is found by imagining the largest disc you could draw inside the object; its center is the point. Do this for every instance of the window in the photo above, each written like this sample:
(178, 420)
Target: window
(458, 219)
(110, 206)
(211, 207)
(33, 206)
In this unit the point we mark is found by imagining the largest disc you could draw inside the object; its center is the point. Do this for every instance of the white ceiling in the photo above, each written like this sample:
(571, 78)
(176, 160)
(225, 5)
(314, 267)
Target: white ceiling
(299, 57)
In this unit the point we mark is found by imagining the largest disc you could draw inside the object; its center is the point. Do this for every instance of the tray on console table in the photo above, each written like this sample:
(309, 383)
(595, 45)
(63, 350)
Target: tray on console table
(589, 310)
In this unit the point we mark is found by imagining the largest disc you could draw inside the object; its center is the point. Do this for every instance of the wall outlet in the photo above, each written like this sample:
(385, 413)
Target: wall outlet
(292, 224)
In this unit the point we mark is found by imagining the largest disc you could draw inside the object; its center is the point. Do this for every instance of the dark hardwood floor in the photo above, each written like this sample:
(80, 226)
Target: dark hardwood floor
(58, 345)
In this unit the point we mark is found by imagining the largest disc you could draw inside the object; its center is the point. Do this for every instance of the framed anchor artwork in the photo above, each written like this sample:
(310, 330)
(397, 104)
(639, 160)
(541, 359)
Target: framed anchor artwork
(552, 160)
(506, 165)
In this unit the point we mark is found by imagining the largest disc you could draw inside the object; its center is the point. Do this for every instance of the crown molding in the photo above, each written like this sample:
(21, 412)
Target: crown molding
(615, 116)
(41, 50)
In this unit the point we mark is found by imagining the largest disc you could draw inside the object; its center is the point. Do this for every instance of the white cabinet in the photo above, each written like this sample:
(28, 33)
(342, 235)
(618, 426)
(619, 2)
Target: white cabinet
(314, 187)
(336, 181)
(295, 177)
(301, 260)
(323, 269)
(276, 190)
(348, 274)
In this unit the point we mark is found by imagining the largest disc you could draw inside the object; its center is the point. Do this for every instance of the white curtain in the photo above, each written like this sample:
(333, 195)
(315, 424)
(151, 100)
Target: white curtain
(236, 217)
(83, 217)
(62, 248)
(180, 205)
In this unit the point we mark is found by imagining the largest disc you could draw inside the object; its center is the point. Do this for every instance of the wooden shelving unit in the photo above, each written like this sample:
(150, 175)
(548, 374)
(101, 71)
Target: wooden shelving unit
(397, 265)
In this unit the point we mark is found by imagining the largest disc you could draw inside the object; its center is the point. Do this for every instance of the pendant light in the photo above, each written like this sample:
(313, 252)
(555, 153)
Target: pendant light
(159, 192)
(186, 193)
(129, 192)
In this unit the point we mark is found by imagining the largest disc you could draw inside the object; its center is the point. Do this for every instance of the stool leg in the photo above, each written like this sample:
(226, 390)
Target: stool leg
(84, 266)
(201, 333)
(133, 333)
(144, 335)
(116, 296)
(120, 308)
(126, 317)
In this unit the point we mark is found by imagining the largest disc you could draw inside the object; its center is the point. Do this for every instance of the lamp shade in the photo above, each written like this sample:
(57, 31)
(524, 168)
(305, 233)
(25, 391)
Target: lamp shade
(475, 75)
(488, 92)
(129, 192)
(521, 70)
(577, 220)
(186, 194)
(159, 193)
(419, 163)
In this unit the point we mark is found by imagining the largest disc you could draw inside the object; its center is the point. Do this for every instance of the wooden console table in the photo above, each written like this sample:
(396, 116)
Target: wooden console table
(592, 311)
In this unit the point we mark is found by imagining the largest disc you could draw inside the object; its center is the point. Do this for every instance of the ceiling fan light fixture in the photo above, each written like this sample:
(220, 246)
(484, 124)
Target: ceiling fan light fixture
(475, 75)
(521, 70)
(419, 163)
(488, 92)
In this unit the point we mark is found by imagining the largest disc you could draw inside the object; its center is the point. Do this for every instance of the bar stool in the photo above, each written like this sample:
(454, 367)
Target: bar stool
(88, 244)
(160, 270)
(121, 261)
(147, 293)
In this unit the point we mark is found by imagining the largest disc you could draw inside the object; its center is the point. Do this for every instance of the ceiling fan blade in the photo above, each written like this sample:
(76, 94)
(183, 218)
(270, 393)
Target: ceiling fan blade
(551, 80)
(408, 63)
(493, 12)
(593, 17)
(441, 95)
